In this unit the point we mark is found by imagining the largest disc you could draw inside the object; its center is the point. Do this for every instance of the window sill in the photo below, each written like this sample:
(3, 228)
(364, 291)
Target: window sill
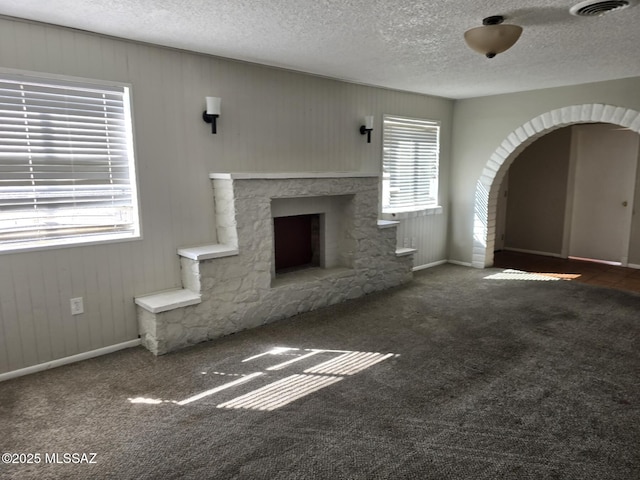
(421, 212)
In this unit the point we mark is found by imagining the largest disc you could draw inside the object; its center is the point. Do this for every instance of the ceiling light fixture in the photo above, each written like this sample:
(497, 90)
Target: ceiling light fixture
(493, 37)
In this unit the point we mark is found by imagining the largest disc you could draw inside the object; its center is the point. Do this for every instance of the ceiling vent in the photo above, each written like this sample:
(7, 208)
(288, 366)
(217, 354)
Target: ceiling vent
(595, 8)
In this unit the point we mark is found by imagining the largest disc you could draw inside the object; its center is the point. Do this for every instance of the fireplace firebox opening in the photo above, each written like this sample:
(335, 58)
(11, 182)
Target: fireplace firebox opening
(297, 242)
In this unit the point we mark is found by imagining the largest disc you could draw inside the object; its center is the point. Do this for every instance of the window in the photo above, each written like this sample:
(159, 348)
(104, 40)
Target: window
(67, 171)
(410, 159)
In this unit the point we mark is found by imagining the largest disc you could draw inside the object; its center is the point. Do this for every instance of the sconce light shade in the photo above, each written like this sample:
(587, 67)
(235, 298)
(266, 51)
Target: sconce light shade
(212, 112)
(367, 127)
(213, 105)
(493, 37)
(368, 122)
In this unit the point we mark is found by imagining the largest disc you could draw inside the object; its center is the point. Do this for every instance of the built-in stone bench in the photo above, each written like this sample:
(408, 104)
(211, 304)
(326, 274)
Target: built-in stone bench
(206, 252)
(402, 252)
(183, 297)
(168, 300)
(232, 285)
(388, 223)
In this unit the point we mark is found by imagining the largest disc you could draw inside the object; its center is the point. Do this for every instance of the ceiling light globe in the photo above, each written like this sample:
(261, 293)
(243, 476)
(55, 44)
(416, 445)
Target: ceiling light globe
(491, 40)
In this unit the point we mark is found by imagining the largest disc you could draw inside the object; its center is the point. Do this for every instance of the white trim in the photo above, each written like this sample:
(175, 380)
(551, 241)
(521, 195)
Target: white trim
(595, 260)
(286, 175)
(633, 265)
(402, 252)
(429, 265)
(571, 183)
(462, 264)
(533, 252)
(67, 360)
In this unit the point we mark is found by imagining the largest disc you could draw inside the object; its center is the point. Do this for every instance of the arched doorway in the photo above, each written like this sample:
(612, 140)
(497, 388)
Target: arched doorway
(487, 186)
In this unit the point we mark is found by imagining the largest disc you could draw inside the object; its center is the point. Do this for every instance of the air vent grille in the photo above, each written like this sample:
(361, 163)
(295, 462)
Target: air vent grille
(599, 7)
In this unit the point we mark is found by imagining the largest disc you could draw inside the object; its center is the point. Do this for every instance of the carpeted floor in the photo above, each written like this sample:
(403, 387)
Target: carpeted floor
(488, 379)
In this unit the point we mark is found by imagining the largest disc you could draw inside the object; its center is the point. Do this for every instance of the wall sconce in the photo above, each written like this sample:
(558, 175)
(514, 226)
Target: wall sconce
(367, 127)
(212, 112)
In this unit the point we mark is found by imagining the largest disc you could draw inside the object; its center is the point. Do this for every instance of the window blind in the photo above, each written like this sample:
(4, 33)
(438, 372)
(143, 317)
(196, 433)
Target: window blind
(411, 152)
(66, 162)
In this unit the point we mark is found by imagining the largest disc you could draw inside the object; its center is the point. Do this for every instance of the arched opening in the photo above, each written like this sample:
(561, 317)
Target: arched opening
(488, 185)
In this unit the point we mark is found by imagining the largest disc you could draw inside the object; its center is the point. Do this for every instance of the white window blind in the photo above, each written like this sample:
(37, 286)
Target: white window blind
(66, 163)
(411, 150)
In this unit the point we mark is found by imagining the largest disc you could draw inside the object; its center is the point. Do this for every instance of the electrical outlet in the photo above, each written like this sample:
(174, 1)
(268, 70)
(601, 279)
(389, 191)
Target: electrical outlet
(77, 306)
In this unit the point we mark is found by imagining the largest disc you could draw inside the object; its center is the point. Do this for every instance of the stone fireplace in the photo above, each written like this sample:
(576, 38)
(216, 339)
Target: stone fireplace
(236, 283)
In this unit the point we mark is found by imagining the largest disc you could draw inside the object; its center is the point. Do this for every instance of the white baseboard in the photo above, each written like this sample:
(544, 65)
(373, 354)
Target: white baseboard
(533, 252)
(462, 264)
(66, 360)
(429, 265)
(633, 265)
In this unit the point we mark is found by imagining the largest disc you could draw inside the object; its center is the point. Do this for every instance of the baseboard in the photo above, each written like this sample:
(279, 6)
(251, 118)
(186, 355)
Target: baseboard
(429, 265)
(532, 252)
(633, 265)
(66, 360)
(462, 264)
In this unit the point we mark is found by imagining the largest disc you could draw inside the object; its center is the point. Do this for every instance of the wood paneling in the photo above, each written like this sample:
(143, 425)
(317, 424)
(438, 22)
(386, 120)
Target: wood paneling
(272, 120)
(427, 234)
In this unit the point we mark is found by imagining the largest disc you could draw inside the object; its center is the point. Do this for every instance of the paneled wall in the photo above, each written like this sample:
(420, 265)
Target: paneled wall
(272, 120)
(425, 234)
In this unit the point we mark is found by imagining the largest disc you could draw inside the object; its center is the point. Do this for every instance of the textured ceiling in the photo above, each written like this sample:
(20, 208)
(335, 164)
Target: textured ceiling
(402, 44)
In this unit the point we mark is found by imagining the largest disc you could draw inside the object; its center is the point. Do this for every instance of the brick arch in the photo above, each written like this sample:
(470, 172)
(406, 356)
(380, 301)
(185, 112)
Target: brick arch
(487, 186)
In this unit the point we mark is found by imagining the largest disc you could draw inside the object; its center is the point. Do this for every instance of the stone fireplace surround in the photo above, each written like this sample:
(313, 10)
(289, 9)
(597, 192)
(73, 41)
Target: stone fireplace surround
(231, 286)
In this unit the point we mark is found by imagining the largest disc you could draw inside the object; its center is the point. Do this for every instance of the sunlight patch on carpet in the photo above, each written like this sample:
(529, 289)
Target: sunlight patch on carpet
(349, 363)
(219, 388)
(510, 274)
(281, 393)
(331, 367)
(149, 401)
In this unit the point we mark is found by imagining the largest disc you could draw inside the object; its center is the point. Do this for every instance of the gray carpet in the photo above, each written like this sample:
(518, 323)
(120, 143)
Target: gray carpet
(492, 379)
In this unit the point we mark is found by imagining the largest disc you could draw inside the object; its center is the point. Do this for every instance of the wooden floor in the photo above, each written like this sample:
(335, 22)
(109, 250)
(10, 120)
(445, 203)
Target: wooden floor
(575, 270)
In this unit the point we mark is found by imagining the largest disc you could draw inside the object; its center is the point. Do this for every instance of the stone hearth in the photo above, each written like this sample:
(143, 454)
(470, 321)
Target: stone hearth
(232, 285)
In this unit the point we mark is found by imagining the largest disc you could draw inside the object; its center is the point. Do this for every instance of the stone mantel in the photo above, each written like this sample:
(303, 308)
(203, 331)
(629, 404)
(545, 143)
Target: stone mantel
(288, 175)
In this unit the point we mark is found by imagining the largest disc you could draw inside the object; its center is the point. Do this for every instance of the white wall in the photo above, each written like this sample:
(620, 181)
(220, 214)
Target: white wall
(537, 195)
(272, 120)
(481, 125)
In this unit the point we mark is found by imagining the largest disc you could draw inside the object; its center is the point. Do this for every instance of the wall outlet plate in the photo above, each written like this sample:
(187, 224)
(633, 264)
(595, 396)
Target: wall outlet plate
(77, 306)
